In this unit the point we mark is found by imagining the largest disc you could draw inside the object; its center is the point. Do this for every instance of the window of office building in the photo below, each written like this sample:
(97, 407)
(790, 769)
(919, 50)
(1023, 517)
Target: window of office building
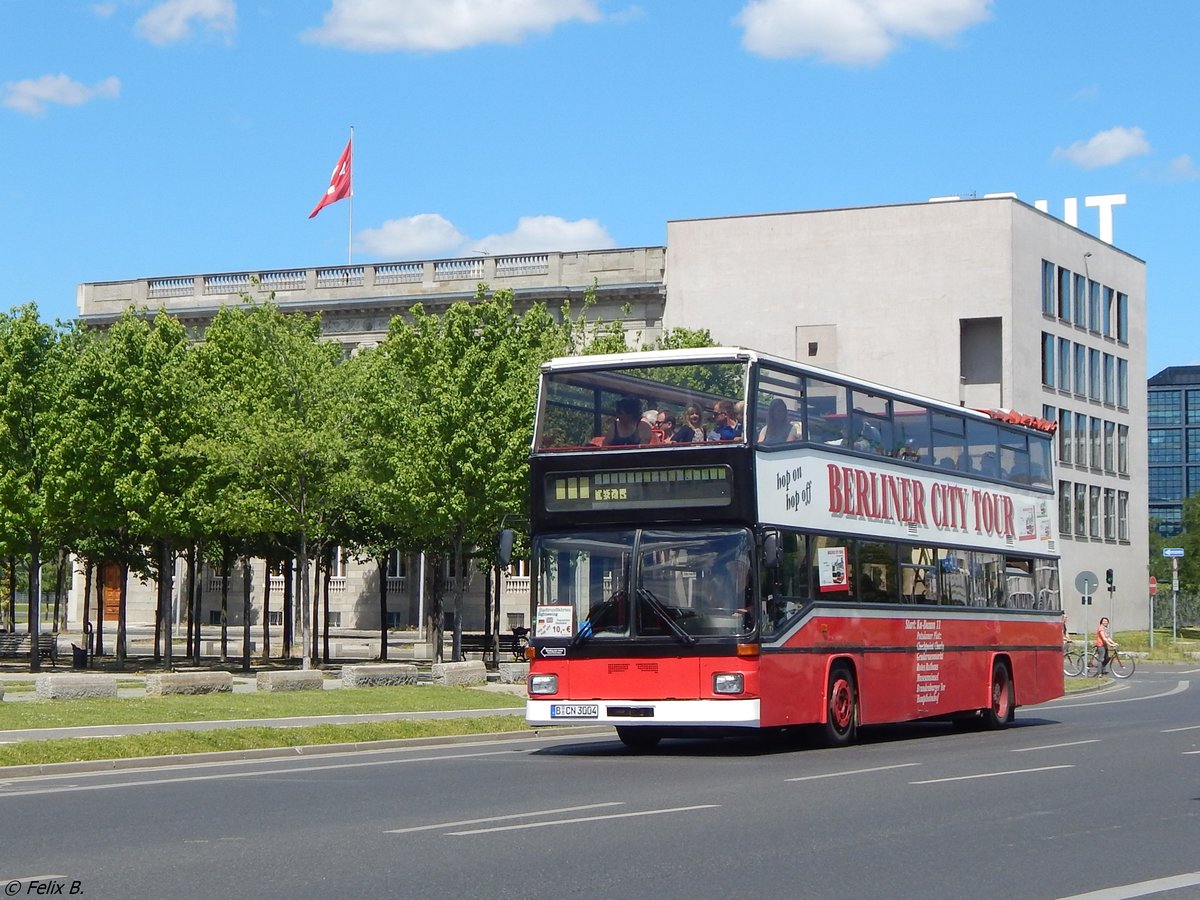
(1169, 518)
(1193, 407)
(1064, 294)
(1093, 306)
(1108, 311)
(1122, 383)
(1165, 445)
(1047, 287)
(1047, 359)
(1064, 364)
(1080, 302)
(1192, 454)
(1081, 439)
(1166, 484)
(1122, 449)
(1110, 379)
(1094, 512)
(1080, 370)
(1122, 317)
(1110, 514)
(1110, 450)
(1122, 515)
(1064, 507)
(1162, 408)
(1096, 443)
(1193, 480)
(1064, 435)
(1081, 510)
(1094, 374)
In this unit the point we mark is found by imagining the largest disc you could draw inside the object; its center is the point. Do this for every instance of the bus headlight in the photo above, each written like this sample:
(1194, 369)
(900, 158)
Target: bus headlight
(543, 684)
(728, 683)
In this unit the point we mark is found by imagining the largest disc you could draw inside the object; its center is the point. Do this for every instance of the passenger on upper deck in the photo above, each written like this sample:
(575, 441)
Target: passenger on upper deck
(726, 427)
(629, 429)
(778, 429)
(690, 429)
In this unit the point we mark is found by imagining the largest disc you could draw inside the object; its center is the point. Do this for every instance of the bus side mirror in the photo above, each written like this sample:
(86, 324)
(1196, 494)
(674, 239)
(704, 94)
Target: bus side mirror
(504, 547)
(772, 555)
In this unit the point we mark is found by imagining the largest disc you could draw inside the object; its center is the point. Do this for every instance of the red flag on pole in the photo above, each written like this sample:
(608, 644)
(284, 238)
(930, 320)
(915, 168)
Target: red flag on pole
(339, 181)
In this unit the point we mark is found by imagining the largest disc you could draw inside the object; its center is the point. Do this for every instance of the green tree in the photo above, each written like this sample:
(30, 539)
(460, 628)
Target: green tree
(32, 366)
(466, 386)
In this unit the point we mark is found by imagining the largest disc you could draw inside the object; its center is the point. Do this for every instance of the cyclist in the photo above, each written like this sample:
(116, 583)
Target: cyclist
(1104, 643)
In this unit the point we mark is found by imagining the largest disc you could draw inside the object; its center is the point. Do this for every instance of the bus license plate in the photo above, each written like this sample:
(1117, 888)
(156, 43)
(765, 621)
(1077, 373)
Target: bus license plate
(574, 710)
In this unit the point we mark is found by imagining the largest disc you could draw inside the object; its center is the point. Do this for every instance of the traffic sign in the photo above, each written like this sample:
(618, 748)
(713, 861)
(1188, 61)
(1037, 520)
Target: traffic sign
(1172, 552)
(1086, 582)
(1153, 586)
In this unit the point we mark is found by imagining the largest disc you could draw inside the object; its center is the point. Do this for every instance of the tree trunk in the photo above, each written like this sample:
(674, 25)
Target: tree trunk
(87, 606)
(266, 651)
(34, 598)
(381, 565)
(226, 565)
(329, 563)
(100, 610)
(122, 606)
(195, 588)
(289, 605)
(245, 612)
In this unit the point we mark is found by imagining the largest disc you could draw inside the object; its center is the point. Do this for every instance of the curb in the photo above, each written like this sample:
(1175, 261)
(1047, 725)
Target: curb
(310, 750)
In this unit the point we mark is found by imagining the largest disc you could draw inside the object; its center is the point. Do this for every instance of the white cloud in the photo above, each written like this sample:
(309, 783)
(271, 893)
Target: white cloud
(1181, 168)
(441, 25)
(33, 95)
(431, 235)
(1106, 148)
(172, 20)
(851, 32)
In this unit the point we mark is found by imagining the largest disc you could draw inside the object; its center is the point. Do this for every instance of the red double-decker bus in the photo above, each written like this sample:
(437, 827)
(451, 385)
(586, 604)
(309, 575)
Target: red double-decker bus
(800, 548)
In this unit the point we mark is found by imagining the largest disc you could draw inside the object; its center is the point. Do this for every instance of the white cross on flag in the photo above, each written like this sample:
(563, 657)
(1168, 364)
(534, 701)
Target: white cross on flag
(339, 181)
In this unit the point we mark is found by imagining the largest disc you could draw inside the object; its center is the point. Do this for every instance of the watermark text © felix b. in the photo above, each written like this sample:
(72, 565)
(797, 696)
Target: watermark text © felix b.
(45, 887)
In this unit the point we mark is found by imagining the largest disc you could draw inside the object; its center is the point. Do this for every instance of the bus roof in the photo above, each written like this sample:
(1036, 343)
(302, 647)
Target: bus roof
(742, 354)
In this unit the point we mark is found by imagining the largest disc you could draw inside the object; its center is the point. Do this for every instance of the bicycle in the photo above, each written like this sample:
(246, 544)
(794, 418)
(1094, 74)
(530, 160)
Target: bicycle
(1072, 660)
(520, 642)
(1118, 666)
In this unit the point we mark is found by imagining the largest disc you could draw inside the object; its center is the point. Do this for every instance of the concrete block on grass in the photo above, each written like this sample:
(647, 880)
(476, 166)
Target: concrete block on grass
(471, 673)
(158, 685)
(379, 674)
(290, 680)
(74, 687)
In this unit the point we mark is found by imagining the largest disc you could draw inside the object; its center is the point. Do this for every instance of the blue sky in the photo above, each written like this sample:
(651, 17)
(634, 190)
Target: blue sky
(147, 138)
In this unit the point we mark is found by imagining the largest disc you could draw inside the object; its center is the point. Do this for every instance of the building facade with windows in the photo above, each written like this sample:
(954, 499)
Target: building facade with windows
(1173, 444)
(989, 303)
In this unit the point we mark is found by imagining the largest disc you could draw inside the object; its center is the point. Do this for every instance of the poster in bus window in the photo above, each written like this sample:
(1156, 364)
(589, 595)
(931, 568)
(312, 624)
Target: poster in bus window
(831, 569)
(554, 622)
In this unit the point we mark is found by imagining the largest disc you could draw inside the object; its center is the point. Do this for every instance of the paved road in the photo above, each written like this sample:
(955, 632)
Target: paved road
(1085, 794)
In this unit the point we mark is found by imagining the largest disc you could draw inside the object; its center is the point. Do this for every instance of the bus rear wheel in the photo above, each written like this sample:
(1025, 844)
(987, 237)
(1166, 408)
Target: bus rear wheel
(841, 710)
(639, 740)
(1000, 713)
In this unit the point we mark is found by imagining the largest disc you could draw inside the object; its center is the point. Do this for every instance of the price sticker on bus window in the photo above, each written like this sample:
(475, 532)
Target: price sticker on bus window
(554, 622)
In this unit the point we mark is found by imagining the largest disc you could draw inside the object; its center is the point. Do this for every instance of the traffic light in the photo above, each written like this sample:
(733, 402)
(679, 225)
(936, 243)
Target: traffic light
(1108, 577)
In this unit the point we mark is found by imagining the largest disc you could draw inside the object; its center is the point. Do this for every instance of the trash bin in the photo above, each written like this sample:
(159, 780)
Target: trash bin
(78, 657)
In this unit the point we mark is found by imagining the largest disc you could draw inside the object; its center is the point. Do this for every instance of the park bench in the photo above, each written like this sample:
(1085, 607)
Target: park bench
(16, 645)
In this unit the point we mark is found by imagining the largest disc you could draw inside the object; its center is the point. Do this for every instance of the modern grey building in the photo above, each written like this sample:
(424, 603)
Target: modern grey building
(989, 303)
(1173, 439)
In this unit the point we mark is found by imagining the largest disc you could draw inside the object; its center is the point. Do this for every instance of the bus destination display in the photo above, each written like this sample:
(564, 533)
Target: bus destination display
(639, 488)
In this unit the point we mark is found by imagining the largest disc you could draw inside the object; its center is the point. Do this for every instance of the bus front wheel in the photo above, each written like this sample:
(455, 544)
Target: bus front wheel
(841, 710)
(1000, 713)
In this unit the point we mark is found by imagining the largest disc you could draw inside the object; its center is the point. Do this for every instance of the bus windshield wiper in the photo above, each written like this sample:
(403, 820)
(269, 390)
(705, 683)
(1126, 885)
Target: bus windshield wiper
(587, 628)
(655, 604)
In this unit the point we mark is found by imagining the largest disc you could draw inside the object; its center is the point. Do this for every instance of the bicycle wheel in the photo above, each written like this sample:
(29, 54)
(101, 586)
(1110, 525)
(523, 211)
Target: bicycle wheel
(1073, 663)
(1093, 663)
(1121, 666)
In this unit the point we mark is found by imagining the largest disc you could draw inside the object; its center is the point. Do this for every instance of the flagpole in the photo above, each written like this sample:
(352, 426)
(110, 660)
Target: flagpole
(350, 207)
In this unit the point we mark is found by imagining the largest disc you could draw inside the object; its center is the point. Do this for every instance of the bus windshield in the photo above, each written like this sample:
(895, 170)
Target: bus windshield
(586, 408)
(654, 583)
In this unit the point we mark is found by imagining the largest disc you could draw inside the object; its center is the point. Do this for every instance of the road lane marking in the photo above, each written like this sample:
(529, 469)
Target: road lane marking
(851, 772)
(525, 815)
(1178, 689)
(1184, 728)
(628, 815)
(1141, 888)
(216, 776)
(1057, 746)
(991, 774)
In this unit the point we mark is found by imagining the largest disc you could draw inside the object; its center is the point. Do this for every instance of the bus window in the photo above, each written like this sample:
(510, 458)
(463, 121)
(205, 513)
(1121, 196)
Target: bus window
(825, 412)
(981, 443)
(949, 441)
(918, 575)
(871, 423)
(584, 578)
(1045, 573)
(832, 560)
(986, 571)
(877, 575)
(1018, 584)
(914, 439)
(1039, 462)
(779, 407)
(696, 582)
(1014, 457)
